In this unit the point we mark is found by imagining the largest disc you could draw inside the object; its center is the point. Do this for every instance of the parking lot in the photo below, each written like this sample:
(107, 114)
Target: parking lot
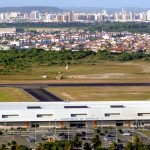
(108, 136)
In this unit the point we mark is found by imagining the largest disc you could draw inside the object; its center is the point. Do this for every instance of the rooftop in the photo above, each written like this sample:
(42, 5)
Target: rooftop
(73, 105)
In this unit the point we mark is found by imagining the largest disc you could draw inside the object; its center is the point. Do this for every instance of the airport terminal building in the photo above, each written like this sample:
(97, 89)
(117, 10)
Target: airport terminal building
(74, 114)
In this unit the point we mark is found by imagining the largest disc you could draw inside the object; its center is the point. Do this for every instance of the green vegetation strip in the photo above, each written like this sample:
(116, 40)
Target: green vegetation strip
(13, 95)
(101, 93)
(105, 71)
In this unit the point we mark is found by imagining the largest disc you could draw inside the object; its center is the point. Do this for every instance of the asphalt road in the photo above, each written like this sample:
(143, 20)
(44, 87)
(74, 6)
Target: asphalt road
(43, 95)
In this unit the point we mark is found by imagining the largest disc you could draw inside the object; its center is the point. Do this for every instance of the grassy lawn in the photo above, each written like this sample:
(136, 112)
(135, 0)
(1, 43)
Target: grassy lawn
(102, 72)
(13, 95)
(101, 93)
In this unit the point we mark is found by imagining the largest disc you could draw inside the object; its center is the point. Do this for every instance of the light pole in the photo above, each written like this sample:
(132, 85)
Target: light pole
(35, 131)
(5, 124)
(102, 125)
(55, 126)
(116, 135)
(133, 134)
(86, 129)
(49, 124)
(68, 135)
(13, 135)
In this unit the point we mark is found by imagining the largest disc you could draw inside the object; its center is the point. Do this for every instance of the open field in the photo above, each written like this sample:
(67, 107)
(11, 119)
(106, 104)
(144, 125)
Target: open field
(101, 93)
(102, 72)
(13, 95)
(50, 29)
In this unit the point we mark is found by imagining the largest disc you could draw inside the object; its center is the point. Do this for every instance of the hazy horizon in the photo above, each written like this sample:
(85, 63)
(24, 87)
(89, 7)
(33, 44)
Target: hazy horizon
(78, 3)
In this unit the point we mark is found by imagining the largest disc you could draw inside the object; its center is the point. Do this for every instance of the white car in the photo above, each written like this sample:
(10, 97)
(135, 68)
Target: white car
(127, 133)
(106, 138)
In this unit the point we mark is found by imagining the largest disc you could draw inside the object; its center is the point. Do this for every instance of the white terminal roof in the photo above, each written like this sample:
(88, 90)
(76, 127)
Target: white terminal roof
(74, 111)
(60, 105)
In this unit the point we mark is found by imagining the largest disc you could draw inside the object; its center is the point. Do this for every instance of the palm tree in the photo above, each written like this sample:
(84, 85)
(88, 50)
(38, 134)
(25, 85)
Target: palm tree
(40, 146)
(96, 142)
(76, 143)
(48, 145)
(13, 145)
(22, 147)
(129, 146)
(97, 130)
(87, 146)
(114, 146)
(3, 147)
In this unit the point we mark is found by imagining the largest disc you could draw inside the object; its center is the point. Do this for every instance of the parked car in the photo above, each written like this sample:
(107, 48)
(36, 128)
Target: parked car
(106, 138)
(79, 134)
(102, 134)
(31, 139)
(62, 134)
(83, 133)
(127, 134)
(44, 137)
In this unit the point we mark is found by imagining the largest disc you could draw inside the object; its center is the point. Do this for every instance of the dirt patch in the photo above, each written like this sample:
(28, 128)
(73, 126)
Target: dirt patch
(69, 97)
(99, 76)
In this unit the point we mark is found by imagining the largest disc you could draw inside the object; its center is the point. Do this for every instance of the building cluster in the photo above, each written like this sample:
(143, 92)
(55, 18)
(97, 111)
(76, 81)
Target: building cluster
(36, 16)
(75, 40)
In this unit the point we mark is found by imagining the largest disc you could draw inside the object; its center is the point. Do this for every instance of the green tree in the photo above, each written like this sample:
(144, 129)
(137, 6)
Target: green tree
(129, 146)
(22, 147)
(114, 146)
(3, 147)
(87, 146)
(97, 130)
(76, 143)
(96, 142)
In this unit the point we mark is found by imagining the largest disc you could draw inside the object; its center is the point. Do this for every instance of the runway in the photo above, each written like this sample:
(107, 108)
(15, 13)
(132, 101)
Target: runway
(38, 91)
(43, 85)
(100, 84)
(43, 95)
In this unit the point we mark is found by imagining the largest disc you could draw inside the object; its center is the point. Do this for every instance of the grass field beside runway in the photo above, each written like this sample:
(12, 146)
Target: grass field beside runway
(101, 93)
(102, 72)
(13, 95)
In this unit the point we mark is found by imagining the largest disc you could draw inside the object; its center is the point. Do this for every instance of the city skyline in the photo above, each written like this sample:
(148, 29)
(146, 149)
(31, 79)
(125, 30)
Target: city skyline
(78, 3)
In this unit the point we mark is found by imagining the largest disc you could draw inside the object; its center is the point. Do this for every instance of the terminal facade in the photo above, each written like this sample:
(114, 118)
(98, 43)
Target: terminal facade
(75, 114)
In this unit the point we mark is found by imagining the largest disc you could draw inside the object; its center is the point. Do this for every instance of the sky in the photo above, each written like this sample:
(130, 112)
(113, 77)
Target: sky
(77, 3)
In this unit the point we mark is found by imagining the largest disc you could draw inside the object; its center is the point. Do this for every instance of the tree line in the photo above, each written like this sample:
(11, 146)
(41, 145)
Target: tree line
(16, 60)
(140, 27)
(134, 27)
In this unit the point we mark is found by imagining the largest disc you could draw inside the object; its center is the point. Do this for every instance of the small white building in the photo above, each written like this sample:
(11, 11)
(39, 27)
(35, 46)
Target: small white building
(7, 30)
(14, 43)
(4, 47)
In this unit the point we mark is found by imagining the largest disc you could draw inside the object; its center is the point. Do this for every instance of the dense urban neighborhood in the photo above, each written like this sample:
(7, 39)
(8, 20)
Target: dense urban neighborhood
(74, 39)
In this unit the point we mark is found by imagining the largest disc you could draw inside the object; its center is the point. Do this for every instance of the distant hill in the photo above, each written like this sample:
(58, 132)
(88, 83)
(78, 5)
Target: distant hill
(99, 9)
(23, 9)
